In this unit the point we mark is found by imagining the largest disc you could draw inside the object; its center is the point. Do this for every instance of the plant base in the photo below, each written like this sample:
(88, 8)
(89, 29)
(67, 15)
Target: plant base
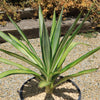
(66, 91)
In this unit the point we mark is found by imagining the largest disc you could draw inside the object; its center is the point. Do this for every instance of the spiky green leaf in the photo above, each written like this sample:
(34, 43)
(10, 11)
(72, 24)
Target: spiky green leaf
(46, 49)
(41, 19)
(53, 26)
(63, 45)
(25, 60)
(20, 57)
(21, 47)
(76, 75)
(23, 35)
(6, 61)
(79, 60)
(76, 31)
(17, 71)
(56, 35)
(66, 52)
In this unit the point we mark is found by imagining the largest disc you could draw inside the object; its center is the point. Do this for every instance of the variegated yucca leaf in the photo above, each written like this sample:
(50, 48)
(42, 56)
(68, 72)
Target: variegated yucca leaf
(79, 60)
(45, 43)
(20, 57)
(23, 36)
(21, 47)
(53, 26)
(67, 51)
(17, 71)
(13, 63)
(62, 45)
(56, 35)
(76, 75)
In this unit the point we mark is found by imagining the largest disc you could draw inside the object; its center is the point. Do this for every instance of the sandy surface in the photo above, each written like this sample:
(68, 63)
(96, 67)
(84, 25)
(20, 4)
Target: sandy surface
(89, 84)
(66, 91)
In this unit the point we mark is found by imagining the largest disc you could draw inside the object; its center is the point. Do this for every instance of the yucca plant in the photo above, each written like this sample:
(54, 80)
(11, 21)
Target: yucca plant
(53, 50)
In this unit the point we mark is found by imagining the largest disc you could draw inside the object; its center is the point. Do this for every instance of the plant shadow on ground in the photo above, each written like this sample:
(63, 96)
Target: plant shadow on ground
(30, 89)
(90, 34)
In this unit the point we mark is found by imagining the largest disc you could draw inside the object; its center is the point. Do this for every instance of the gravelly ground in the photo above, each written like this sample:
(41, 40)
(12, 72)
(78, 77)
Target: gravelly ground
(89, 84)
